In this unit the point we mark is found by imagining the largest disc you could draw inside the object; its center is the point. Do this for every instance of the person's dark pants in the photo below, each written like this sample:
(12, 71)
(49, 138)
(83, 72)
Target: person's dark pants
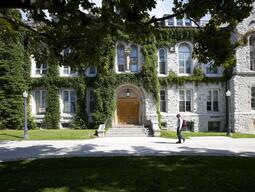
(179, 134)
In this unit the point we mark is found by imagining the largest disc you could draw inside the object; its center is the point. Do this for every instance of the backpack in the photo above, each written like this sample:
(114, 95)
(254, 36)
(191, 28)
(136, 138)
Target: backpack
(184, 123)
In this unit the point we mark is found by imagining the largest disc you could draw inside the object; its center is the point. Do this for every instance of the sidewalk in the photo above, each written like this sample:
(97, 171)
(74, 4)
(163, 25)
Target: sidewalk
(126, 146)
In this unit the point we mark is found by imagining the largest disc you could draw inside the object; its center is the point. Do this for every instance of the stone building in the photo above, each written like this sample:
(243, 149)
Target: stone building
(202, 104)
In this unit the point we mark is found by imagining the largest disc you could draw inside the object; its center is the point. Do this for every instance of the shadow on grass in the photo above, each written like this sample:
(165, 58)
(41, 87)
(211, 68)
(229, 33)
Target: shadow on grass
(130, 174)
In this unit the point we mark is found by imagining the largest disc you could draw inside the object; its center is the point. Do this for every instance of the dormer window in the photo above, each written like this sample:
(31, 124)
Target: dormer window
(170, 21)
(185, 58)
(187, 22)
(252, 52)
(121, 59)
(134, 58)
(179, 22)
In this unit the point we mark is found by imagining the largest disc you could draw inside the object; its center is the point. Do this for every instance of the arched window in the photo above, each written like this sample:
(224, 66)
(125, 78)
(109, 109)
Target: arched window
(134, 58)
(162, 61)
(121, 60)
(252, 52)
(185, 58)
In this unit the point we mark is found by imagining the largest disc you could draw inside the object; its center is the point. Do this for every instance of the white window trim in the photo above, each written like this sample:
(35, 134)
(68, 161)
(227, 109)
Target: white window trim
(89, 74)
(191, 102)
(62, 74)
(178, 56)
(166, 65)
(212, 111)
(62, 102)
(33, 102)
(33, 68)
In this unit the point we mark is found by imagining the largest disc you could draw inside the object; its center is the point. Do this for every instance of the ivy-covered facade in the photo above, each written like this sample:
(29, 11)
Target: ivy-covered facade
(136, 82)
(146, 81)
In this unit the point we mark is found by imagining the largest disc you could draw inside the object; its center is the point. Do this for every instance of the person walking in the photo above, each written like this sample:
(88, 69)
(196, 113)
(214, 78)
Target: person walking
(179, 129)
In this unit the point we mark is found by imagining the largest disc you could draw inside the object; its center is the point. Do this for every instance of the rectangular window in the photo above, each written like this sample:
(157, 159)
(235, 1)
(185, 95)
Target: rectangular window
(253, 98)
(69, 101)
(41, 69)
(180, 22)
(170, 22)
(189, 127)
(185, 100)
(163, 101)
(213, 100)
(214, 126)
(211, 70)
(40, 101)
(92, 70)
(67, 70)
(134, 58)
(187, 22)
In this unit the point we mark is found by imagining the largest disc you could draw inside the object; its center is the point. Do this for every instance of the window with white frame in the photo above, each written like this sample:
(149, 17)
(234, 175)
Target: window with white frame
(92, 70)
(185, 100)
(185, 58)
(40, 97)
(69, 101)
(41, 69)
(252, 52)
(179, 22)
(162, 100)
(170, 21)
(253, 98)
(134, 58)
(121, 57)
(67, 70)
(162, 61)
(213, 100)
(211, 70)
(187, 22)
(91, 103)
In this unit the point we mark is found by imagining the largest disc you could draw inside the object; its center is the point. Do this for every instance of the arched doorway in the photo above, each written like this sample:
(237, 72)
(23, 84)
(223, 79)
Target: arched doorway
(129, 105)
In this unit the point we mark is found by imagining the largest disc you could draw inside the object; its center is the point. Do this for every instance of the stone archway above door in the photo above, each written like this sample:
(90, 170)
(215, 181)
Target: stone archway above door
(129, 104)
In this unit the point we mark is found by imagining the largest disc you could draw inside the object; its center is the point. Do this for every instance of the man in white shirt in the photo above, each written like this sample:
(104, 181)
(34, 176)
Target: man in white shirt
(178, 129)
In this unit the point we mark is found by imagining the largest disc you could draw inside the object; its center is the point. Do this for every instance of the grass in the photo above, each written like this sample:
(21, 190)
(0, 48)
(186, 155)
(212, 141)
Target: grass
(130, 174)
(49, 134)
(187, 134)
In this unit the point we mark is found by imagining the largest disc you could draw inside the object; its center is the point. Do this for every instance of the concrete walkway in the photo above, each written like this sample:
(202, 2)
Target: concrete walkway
(126, 146)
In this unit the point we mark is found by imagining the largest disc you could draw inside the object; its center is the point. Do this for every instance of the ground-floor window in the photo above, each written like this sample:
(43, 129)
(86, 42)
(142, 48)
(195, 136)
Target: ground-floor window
(69, 101)
(185, 100)
(253, 98)
(214, 126)
(189, 127)
(163, 101)
(40, 101)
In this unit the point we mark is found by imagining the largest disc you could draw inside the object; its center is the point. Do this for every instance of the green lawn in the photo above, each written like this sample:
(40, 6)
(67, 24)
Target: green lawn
(130, 174)
(187, 134)
(53, 134)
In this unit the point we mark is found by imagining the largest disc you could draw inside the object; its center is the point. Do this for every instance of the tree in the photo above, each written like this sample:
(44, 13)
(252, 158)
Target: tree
(85, 28)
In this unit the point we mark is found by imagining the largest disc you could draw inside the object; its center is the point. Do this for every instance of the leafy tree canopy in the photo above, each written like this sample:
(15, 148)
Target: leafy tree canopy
(89, 30)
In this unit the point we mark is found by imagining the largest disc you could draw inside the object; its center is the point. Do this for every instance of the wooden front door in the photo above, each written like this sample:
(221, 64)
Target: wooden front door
(128, 111)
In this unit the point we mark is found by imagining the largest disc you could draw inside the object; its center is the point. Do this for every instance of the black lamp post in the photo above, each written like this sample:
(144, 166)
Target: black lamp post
(228, 95)
(25, 115)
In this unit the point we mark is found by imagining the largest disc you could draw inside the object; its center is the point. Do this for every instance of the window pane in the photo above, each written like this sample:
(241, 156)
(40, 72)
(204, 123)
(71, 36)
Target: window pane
(188, 95)
(134, 67)
(209, 106)
(215, 95)
(181, 95)
(215, 106)
(170, 21)
(179, 22)
(181, 106)
(253, 98)
(92, 70)
(121, 54)
(162, 68)
(44, 99)
(188, 106)
(66, 69)
(187, 22)
(121, 67)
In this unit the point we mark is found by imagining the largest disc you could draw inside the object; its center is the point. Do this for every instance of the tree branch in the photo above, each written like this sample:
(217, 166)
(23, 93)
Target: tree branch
(19, 23)
(153, 20)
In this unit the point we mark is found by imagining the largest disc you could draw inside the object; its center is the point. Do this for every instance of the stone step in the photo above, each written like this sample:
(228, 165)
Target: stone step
(126, 132)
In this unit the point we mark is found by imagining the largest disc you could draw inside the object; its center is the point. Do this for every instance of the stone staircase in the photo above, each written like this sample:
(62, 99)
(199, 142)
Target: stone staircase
(129, 131)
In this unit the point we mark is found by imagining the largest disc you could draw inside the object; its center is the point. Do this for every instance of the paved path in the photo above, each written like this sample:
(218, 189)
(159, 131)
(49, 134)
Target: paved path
(126, 146)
